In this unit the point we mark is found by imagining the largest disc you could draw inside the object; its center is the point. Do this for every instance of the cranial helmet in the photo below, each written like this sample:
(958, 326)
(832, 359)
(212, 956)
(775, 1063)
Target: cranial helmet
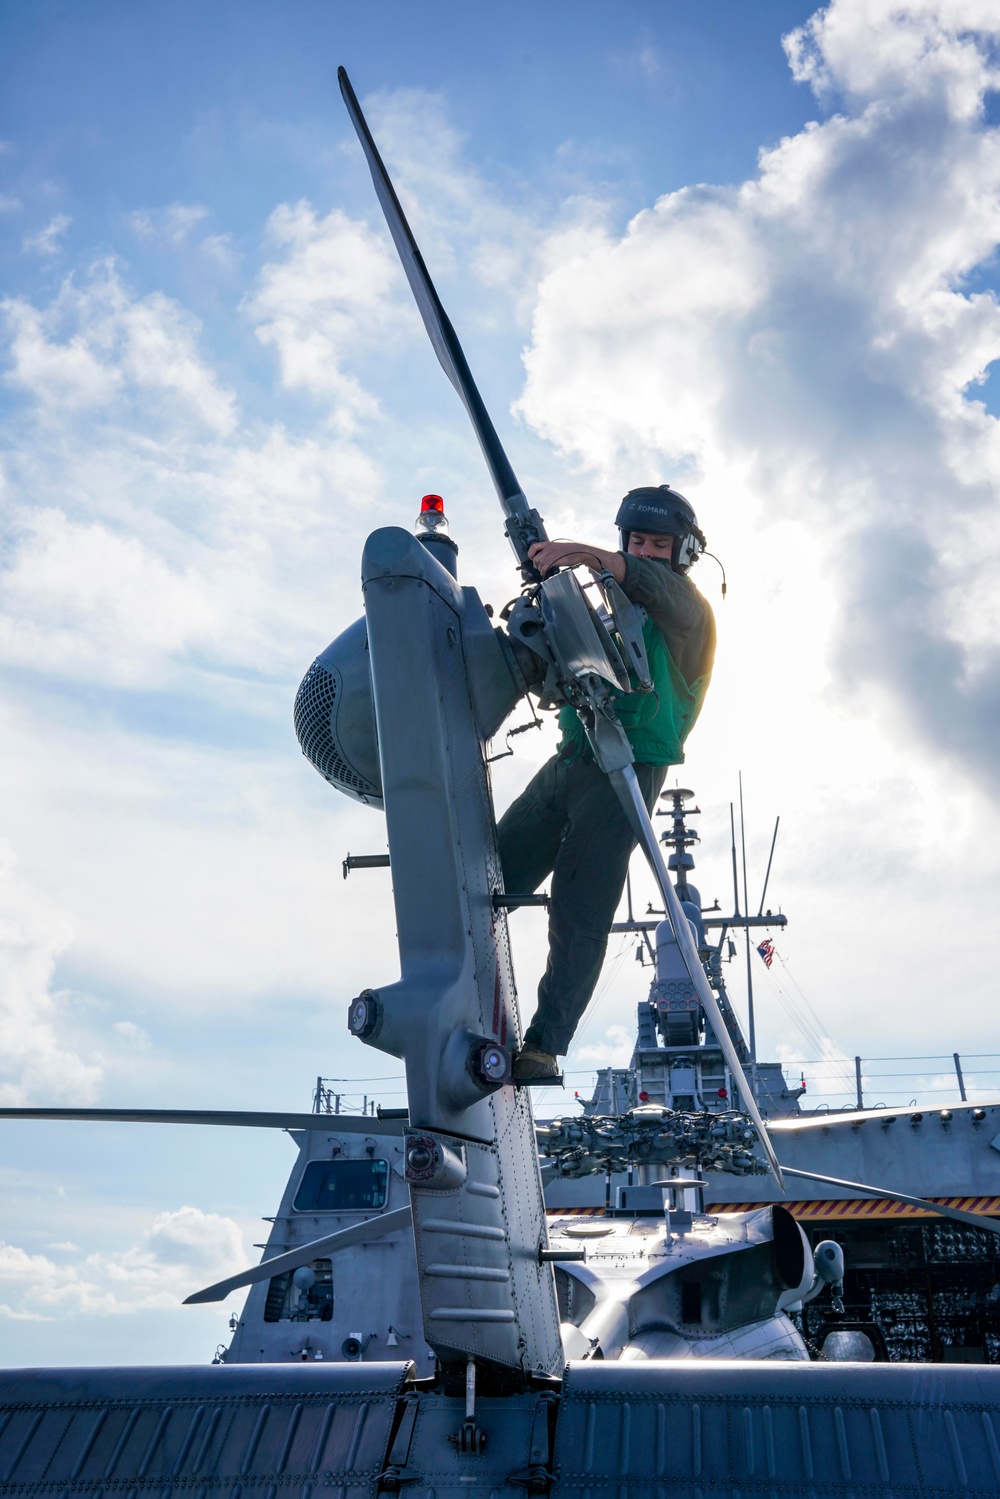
(663, 510)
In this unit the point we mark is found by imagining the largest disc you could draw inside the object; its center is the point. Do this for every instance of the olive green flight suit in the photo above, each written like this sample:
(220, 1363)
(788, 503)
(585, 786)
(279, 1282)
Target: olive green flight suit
(568, 822)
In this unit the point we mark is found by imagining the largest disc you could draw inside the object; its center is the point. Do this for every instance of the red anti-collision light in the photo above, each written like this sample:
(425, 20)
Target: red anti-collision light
(432, 502)
(722, 1093)
(643, 1097)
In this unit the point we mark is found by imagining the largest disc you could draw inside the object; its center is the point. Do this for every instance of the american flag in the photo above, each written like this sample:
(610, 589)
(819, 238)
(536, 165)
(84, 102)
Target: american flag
(766, 950)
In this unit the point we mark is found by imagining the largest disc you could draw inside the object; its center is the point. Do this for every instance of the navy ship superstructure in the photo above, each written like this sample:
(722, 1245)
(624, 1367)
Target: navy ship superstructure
(920, 1287)
(915, 1287)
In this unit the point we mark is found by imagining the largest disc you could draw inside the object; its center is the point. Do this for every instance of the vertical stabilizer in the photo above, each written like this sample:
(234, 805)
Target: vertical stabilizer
(478, 1210)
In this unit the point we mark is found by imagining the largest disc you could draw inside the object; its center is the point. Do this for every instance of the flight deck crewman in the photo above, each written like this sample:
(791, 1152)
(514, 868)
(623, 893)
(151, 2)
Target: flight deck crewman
(568, 822)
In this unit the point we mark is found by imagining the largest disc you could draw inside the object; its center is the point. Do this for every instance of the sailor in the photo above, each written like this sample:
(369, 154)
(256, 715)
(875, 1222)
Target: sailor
(568, 821)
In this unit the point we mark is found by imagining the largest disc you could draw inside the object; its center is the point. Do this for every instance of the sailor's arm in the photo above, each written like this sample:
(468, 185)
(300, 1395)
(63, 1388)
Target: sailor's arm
(549, 554)
(672, 602)
(670, 599)
(683, 617)
(681, 614)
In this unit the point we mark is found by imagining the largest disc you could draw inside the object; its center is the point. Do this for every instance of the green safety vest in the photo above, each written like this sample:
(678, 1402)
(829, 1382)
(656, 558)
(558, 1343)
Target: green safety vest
(658, 722)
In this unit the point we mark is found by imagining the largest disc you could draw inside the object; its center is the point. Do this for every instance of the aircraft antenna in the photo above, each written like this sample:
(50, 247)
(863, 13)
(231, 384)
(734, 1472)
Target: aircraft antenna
(767, 874)
(746, 903)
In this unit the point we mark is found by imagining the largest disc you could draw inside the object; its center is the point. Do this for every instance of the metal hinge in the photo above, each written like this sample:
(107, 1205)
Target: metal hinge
(396, 1473)
(538, 1477)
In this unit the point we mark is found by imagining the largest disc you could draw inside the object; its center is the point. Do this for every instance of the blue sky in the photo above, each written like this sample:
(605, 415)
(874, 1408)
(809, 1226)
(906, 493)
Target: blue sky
(751, 249)
(240, 102)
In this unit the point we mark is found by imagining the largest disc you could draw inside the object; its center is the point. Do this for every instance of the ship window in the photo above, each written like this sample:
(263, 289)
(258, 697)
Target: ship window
(287, 1302)
(343, 1187)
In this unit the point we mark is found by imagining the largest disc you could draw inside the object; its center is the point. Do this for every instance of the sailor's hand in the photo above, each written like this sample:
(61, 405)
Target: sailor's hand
(547, 555)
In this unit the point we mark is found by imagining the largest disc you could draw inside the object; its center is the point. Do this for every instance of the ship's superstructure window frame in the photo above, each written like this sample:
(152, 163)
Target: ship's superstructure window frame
(287, 1302)
(343, 1185)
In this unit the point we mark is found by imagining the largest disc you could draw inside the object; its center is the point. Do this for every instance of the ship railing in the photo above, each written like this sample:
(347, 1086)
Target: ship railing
(896, 1082)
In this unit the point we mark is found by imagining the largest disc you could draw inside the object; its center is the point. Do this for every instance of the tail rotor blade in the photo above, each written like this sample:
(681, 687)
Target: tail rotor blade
(358, 1233)
(439, 329)
(627, 787)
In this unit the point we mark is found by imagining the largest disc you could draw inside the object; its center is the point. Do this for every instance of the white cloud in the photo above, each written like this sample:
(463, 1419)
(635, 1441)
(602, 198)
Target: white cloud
(9, 204)
(181, 574)
(81, 600)
(335, 287)
(171, 225)
(802, 349)
(68, 373)
(96, 341)
(170, 562)
(46, 241)
(38, 1057)
(484, 247)
(180, 1252)
(154, 539)
(644, 60)
(613, 1049)
(132, 1035)
(916, 48)
(221, 252)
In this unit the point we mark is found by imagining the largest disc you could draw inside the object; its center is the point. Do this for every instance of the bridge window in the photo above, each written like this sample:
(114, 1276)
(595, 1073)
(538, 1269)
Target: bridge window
(343, 1187)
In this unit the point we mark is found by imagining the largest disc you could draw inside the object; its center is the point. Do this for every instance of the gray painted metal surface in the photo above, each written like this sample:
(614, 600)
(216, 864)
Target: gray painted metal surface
(930, 1153)
(739, 1429)
(374, 1293)
(663, 1429)
(442, 686)
(275, 1430)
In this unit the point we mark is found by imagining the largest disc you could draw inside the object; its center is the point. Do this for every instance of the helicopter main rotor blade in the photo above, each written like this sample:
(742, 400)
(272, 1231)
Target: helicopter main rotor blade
(347, 1124)
(524, 524)
(977, 1220)
(627, 787)
(358, 1233)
